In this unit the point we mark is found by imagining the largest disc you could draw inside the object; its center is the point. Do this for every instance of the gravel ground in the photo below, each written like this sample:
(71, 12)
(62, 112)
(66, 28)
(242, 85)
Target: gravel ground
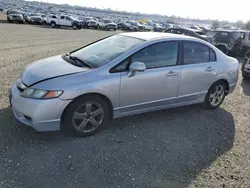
(182, 147)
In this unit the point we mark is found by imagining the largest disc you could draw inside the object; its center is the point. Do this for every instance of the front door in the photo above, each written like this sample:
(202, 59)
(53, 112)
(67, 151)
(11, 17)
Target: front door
(157, 85)
(198, 72)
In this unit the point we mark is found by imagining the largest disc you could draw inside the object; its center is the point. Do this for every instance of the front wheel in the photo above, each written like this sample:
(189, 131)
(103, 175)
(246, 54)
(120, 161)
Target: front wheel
(53, 24)
(215, 96)
(85, 116)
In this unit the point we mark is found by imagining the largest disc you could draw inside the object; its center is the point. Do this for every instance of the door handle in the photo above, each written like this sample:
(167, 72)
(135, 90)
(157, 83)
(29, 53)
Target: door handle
(209, 69)
(172, 73)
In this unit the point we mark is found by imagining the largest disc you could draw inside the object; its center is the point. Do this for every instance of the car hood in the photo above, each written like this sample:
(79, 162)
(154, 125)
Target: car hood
(47, 69)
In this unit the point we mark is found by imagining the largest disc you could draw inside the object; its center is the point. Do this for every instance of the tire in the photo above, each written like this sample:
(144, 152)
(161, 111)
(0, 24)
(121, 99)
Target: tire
(9, 20)
(72, 123)
(74, 26)
(223, 49)
(215, 89)
(53, 24)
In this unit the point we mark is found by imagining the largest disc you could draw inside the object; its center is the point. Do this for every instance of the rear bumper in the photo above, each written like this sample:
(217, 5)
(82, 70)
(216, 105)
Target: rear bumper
(232, 88)
(42, 115)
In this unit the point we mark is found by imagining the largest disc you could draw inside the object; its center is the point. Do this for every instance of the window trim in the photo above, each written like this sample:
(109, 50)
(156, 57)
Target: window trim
(182, 58)
(178, 61)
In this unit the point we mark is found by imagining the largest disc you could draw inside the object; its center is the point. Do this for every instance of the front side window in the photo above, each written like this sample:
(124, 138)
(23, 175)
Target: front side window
(158, 55)
(106, 50)
(248, 36)
(62, 17)
(68, 18)
(195, 52)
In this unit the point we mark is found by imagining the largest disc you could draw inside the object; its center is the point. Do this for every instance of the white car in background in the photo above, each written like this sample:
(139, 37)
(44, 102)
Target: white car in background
(65, 21)
(107, 24)
(15, 16)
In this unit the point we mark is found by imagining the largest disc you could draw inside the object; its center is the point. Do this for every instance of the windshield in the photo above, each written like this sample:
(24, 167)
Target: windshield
(34, 15)
(106, 50)
(200, 33)
(107, 21)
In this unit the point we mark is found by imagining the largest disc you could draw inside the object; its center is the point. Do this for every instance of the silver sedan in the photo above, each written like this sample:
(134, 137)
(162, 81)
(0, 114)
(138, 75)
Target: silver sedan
(121, 75)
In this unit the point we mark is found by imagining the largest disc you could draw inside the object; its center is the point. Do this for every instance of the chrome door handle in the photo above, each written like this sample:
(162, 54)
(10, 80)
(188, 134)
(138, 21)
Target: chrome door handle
(172, 73)
(209, 69)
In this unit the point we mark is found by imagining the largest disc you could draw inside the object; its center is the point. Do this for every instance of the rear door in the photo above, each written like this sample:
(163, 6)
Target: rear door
(62, 21)
(198, 71)
(68, 21)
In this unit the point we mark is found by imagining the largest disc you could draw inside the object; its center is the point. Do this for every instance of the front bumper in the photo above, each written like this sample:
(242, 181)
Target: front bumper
(42, 115)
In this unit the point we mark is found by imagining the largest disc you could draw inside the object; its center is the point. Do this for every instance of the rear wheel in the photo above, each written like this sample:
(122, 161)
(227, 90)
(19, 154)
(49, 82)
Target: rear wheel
(215, 96)
(74, 26)
(53, 24)
(86, 115)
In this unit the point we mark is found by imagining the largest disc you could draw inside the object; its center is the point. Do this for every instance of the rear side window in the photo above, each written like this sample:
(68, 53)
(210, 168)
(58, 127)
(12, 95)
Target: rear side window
(62, 17)
(195, 52)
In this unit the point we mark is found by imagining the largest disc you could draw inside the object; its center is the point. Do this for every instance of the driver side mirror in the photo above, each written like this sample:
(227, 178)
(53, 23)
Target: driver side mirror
(136, 67)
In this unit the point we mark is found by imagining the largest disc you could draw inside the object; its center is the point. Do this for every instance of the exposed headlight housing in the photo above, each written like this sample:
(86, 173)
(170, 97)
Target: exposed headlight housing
(40, 94)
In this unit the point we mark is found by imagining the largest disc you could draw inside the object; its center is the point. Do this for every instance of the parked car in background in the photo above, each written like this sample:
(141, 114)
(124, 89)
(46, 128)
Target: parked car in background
(107, 24)
(15, 16)
(90, 22)
(129, 26)
(34, 18)
(81, 90)
(246, 66)
(147, 27)
(158, 27)
(245, 42)
(138, 25)
(193, 33)
(228, 41)
(65, 21)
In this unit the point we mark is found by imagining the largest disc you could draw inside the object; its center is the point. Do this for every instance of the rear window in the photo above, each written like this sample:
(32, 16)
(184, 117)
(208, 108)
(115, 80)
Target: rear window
(14, 12)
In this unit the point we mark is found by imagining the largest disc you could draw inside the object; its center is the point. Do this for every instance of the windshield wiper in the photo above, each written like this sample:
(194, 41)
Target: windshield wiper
(81, 62)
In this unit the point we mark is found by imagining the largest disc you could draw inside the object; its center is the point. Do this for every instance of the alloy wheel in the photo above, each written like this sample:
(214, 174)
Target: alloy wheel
(88, 117)
(217, 95)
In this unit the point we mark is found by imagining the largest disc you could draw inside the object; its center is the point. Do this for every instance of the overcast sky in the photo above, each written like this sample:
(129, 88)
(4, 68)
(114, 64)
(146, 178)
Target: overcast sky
(231, 10)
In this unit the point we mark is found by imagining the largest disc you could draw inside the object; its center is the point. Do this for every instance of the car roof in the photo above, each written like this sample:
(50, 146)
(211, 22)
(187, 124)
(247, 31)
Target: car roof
(154, 35)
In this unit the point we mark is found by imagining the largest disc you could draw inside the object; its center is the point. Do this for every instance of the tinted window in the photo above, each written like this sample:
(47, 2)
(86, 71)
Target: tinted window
(62, 17)
(158, 55)
(195, 52)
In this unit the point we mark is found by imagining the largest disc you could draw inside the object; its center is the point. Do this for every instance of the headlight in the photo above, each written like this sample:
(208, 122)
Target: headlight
(40, 94)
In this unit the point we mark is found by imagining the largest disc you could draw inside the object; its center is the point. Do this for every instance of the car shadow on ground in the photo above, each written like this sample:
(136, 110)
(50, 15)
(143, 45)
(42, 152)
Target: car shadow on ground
(166, 148)
(245, 84)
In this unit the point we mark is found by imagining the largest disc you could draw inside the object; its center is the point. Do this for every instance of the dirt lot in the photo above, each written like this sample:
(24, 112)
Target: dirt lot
(182, 147)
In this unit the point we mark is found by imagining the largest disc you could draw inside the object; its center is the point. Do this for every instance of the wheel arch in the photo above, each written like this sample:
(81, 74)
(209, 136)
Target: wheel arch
(225, 82)
(110, 105)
